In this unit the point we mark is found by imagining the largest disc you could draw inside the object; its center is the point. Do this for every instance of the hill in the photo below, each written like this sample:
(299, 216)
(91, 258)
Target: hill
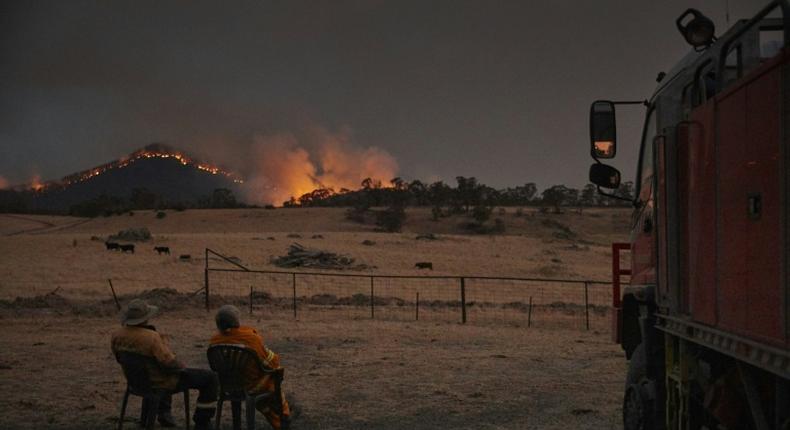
(166, 173)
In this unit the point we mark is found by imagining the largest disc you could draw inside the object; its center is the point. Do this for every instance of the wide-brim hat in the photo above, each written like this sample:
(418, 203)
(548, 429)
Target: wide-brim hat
(138, 311)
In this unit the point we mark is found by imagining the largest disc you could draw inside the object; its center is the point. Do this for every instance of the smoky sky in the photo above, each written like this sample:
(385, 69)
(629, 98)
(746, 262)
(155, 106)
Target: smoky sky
(499, 90)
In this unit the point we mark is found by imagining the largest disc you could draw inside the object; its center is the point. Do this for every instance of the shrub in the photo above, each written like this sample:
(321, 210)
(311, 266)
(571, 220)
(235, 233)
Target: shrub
(391, 219)
(481, 213)
(160, 215)
(357, 213)
(436, 213)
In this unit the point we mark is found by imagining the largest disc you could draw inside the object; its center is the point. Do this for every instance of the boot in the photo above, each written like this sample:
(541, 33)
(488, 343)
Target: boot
(203, 425)
(202, 418)
(166, 419)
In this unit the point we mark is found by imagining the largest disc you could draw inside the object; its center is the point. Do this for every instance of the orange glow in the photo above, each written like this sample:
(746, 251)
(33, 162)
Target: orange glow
(285, 167)
(36, 184)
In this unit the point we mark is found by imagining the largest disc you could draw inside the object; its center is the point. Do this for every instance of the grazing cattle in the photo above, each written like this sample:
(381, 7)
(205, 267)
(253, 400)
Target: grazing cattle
(127, 248)
(111, 245)
(424, 265)
(184, 257)
(162, 250)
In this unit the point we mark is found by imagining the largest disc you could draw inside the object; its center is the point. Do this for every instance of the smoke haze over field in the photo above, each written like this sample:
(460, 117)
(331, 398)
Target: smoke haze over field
(496, 90)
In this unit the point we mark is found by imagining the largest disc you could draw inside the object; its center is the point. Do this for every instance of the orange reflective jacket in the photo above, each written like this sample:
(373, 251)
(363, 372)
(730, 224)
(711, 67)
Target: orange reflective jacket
(257, 382)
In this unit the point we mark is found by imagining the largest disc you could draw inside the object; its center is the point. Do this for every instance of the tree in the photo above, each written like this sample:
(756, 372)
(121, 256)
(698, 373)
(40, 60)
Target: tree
(419, 192)
(555, 195)
(589, 195)
(626, 191)
(468, 192)
(222, 198)
(528, 192)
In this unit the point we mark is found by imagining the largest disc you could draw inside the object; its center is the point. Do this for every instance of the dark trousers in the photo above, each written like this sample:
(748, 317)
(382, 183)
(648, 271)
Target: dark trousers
(205, 381)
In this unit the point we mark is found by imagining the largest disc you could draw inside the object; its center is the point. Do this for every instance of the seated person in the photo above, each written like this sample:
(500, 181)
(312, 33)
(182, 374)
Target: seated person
(230, 331)
(170, 374)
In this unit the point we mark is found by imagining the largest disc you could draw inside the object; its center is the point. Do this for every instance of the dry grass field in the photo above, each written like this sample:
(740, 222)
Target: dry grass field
(345, 370)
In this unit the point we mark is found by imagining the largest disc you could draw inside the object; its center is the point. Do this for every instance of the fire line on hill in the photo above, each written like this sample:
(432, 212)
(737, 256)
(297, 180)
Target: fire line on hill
(155, 150)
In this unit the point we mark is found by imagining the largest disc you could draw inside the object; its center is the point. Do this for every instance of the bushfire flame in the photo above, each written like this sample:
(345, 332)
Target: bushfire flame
(285, 167)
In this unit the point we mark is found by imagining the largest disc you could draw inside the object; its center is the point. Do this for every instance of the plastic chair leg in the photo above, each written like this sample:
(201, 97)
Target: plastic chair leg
(249, 409)
(235, 407)
(220, 401)
(186, 408)
(124, 402)
(150, 410)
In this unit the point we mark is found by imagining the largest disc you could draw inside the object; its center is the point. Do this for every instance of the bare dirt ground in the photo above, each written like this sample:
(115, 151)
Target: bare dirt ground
(346, 371)
(57, 372)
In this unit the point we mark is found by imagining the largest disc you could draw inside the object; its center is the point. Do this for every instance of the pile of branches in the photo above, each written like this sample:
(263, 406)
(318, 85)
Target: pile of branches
(300, 256)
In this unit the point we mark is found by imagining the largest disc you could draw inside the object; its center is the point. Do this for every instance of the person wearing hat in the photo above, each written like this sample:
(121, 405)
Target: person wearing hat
(230, 331)
(139, 337)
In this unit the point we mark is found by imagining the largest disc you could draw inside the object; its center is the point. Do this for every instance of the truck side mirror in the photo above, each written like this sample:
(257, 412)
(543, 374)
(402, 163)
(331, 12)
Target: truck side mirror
(603, 135)
(604, 176)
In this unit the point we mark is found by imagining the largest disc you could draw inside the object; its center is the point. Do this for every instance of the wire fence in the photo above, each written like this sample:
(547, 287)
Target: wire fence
(529, 302)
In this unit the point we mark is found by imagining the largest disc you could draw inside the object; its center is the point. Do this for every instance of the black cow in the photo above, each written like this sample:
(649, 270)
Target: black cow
(127, 248)
(111, 245)
(162, 250)
(424, 265)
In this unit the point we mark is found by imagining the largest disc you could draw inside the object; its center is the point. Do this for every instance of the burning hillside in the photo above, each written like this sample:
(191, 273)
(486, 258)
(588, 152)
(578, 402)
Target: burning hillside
(169, 175)
(153, 151)
(277, 168)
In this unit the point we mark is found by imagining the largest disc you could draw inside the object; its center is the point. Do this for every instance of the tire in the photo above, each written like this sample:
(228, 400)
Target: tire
(638, 404)
(637, 367)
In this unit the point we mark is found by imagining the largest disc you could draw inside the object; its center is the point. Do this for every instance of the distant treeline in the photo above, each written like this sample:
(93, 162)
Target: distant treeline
(12, 201)
(466, 194)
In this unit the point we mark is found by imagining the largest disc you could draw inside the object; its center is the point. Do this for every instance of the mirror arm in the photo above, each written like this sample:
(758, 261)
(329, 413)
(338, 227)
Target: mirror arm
(616, 197)
(632, 102)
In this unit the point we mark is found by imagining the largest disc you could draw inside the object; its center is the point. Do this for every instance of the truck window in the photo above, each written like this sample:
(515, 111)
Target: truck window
(644, 178)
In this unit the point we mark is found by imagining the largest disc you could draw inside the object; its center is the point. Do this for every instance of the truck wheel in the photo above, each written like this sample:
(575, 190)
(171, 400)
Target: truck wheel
(637, 401)
(637, 408)
(637, 366)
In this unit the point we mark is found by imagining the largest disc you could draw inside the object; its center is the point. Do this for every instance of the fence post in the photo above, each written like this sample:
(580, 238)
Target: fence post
(529, 315)
(463, 300)
(372, 301)
(205, 282)
(293, 283)
(417, 308)
(586, 305)
(250, 299)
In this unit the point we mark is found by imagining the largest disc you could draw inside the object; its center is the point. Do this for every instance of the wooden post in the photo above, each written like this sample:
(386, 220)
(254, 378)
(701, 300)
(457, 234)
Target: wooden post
(372, 301)
(586, 306)
(529, 315)
(417, 307)
(205, 283)
(293, 283)
(117, 303)
(463, 300)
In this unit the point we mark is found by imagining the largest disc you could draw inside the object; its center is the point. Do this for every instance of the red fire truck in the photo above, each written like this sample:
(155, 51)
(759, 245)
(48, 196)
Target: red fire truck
(705, 320)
